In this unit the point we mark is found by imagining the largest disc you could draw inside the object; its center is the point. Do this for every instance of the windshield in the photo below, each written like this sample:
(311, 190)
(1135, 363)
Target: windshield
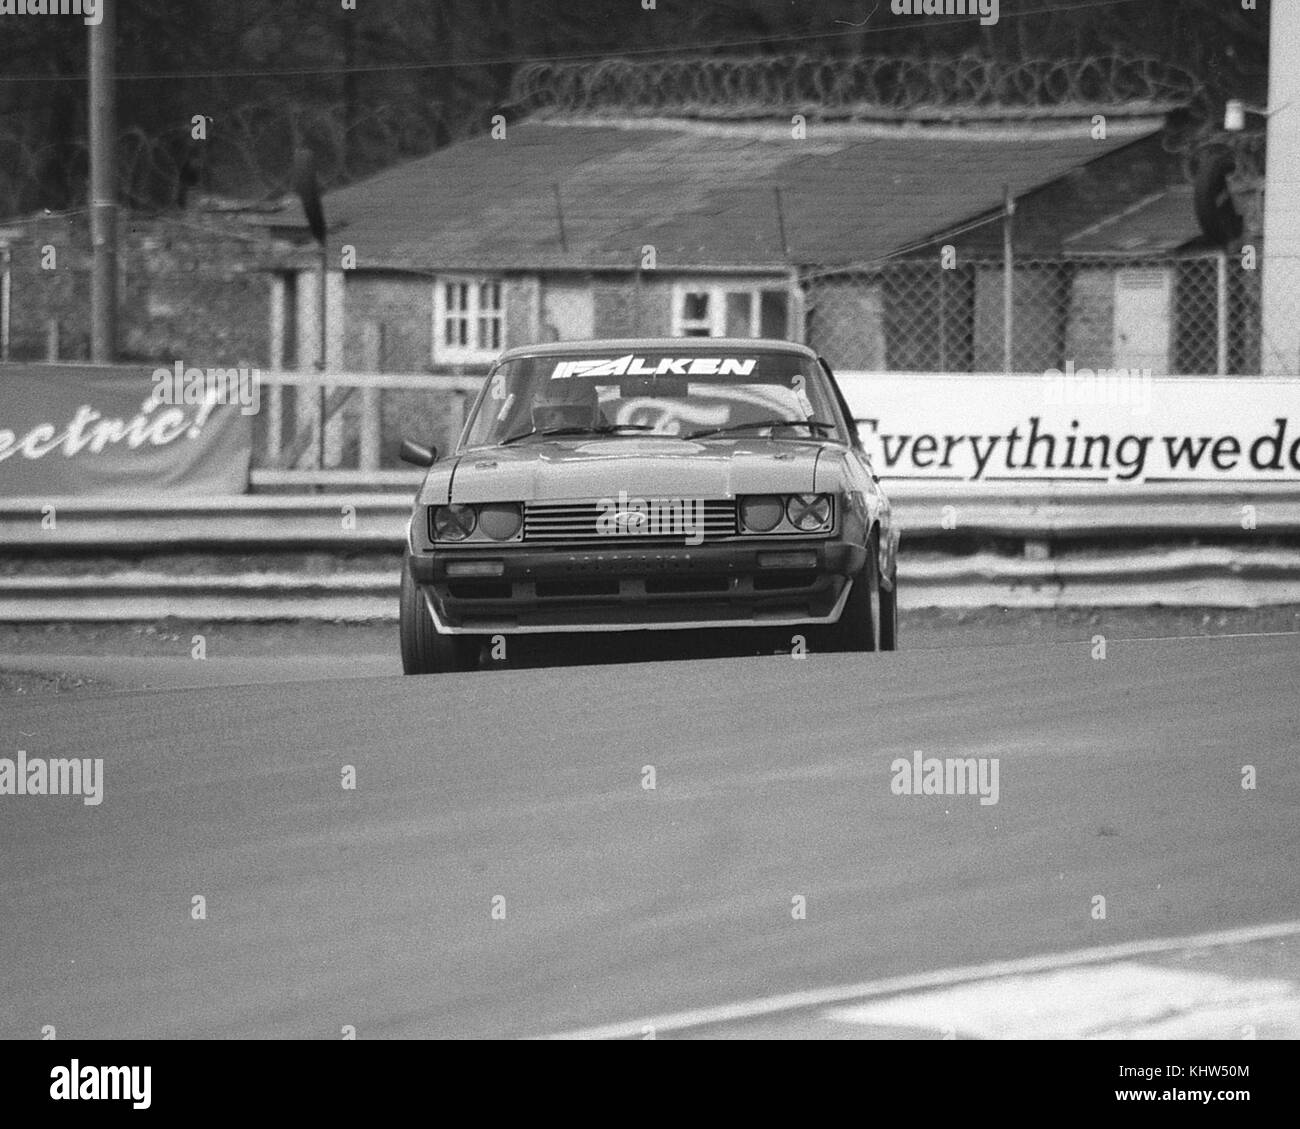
(723, 396)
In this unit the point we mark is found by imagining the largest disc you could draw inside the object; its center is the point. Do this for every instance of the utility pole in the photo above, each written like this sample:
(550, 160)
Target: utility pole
(322, 361)
(1008, 281)
(1281, 329)
(103, 186)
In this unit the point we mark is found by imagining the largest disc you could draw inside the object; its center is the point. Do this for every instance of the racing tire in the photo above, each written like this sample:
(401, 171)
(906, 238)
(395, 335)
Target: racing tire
(424, 649)
(858, 627)
(889, 616)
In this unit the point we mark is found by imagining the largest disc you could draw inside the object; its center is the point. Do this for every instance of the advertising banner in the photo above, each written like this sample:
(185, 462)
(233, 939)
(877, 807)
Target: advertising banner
(117, 431)
(1068, 426)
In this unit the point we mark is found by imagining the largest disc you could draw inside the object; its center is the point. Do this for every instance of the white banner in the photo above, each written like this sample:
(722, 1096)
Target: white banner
(1105, 427)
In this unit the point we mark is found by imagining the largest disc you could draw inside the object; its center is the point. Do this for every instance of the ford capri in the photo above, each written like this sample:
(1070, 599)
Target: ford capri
(650, 485)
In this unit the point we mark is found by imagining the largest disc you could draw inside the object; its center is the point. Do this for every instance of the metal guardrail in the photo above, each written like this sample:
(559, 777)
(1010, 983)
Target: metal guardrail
(1240, 576)
(246, 521)
(1074, 511)
(1052, 511)
(1181, 578)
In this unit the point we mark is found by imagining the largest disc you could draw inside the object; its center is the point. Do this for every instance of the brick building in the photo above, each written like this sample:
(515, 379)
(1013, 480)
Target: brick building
(194, 285)
(567, 228)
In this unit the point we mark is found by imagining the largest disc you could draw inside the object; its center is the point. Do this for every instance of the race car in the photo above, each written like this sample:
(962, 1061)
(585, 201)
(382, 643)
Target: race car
(650, 485)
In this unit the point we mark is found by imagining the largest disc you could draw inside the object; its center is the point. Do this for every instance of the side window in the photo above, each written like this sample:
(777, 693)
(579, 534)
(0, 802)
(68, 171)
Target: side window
(774, 314)
(842, 403)
(731, 311)
(695, 315)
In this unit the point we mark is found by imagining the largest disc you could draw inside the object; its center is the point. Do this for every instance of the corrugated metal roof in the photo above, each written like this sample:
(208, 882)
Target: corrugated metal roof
(699, 193)
(1159, 224)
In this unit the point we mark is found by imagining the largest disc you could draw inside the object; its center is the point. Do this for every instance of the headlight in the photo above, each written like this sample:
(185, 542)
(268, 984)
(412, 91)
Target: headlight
(761, 513)
(500, 520)
(809, 512)
(453, 523)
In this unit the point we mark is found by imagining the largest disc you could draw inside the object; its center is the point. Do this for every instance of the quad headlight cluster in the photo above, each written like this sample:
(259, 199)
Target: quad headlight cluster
(786, 513)
(491, 521)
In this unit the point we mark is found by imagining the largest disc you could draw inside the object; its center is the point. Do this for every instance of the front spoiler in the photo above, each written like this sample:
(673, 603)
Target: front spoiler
(523, 569)
(484, 627)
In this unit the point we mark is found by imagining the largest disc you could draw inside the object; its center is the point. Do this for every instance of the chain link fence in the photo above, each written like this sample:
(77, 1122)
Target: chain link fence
(1185, 315)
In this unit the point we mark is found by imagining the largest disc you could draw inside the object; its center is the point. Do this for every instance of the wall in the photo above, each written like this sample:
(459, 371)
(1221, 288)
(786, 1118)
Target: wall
(398, 308)
(191, 286)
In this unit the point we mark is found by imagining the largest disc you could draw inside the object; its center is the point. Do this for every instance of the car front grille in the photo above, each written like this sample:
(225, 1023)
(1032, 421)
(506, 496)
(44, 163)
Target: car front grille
(580, 521)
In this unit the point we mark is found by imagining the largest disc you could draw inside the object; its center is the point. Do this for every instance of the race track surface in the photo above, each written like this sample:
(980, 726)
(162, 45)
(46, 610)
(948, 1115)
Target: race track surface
(501, 868)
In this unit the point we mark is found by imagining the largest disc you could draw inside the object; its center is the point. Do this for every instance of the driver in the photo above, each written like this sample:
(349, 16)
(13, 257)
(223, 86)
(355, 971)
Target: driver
(567, 403)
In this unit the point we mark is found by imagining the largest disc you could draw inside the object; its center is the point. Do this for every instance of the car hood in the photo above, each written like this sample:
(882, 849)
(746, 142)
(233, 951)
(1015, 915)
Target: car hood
(650, 467)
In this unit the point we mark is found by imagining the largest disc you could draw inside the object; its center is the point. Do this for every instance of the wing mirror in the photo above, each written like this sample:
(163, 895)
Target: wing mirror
(417, 455)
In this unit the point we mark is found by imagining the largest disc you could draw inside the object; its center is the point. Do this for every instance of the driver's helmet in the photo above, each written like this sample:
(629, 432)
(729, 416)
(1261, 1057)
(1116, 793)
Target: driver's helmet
(566, 403)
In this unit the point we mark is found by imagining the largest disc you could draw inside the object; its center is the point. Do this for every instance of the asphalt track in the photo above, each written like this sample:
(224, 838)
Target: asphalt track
(374, 907)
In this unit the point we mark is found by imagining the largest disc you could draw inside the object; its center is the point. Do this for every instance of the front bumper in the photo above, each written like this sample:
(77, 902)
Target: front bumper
(645, 588)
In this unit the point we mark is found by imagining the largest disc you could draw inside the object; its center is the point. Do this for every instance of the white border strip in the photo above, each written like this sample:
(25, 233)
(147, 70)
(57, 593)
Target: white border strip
(818, 997)
(1061, 126)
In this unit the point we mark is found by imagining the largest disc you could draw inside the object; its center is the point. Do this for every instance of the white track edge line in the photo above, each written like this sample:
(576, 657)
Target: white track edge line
(816, 997)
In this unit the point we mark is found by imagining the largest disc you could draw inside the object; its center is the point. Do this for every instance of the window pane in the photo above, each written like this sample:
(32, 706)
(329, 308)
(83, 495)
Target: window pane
(774, 314)
(695, 307)
(740, 307)
(473, 314)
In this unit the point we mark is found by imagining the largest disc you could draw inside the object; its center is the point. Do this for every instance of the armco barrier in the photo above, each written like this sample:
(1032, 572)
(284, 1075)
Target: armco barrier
(1243, 575)
(1212, 577)
(1058, 511)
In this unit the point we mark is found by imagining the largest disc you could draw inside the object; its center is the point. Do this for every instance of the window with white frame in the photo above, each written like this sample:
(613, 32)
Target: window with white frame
(468, 319)
(730, 311)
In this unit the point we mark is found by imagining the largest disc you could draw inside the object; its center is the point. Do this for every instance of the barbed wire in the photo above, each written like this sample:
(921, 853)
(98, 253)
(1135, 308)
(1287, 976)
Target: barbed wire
(247, 153)
(855, 88)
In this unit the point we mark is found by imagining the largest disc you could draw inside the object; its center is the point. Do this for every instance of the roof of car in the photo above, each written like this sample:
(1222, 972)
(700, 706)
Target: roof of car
(706, 345)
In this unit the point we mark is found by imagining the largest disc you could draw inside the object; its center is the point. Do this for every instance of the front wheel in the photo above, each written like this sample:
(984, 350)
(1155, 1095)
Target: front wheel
(424, 649)
(889, 616)
(859, 626)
